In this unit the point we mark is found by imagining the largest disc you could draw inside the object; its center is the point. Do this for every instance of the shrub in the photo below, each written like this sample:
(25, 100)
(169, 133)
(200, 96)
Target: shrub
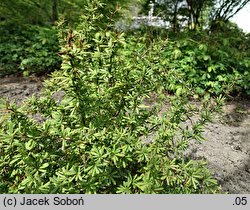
(33, 49)
(103, 135)
(216, 64)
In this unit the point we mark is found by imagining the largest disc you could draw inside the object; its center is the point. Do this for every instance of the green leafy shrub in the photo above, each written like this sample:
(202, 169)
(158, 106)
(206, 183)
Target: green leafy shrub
(33, 49)
(105, 134)
(231, 48)
(214, 64)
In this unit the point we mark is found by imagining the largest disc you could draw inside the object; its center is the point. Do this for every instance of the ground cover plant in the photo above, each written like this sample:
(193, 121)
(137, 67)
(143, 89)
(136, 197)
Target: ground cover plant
(28, 48)
(217, 63)
(106, 134)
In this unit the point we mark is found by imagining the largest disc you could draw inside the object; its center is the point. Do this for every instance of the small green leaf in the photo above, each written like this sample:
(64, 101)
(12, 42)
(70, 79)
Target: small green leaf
(179, 91)
(30, 145)
(45, 165)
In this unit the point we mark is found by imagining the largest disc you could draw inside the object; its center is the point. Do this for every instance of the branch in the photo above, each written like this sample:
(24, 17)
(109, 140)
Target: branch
(240, 8)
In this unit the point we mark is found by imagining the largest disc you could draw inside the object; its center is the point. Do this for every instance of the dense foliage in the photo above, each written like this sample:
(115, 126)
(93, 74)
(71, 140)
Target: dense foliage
(213, 64)
(46, 12)
(28, 38)
(114, 129)
(28, 48)
(118, 112)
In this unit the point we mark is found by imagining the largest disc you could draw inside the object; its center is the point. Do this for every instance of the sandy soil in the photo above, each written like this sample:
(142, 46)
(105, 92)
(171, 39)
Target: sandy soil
(17, 88)
(227, 149)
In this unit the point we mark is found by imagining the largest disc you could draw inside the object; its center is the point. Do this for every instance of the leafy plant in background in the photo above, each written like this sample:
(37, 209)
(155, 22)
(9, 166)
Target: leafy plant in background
(215, 64)
(231, 48)
(42, 54)
(105, 134)
(32, 49)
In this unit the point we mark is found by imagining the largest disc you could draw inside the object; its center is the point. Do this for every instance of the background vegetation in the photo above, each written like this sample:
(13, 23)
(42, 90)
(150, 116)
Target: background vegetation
(119, 127)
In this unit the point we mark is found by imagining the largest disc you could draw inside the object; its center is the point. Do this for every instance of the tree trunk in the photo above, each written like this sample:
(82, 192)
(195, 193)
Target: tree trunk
(175, 19)
(54, 17)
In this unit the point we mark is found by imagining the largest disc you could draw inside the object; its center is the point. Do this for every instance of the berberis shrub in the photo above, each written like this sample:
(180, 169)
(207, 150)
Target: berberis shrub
(113, 130)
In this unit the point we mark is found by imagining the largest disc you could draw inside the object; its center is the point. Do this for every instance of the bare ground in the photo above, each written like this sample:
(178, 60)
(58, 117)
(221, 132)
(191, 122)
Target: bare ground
(227, 149)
